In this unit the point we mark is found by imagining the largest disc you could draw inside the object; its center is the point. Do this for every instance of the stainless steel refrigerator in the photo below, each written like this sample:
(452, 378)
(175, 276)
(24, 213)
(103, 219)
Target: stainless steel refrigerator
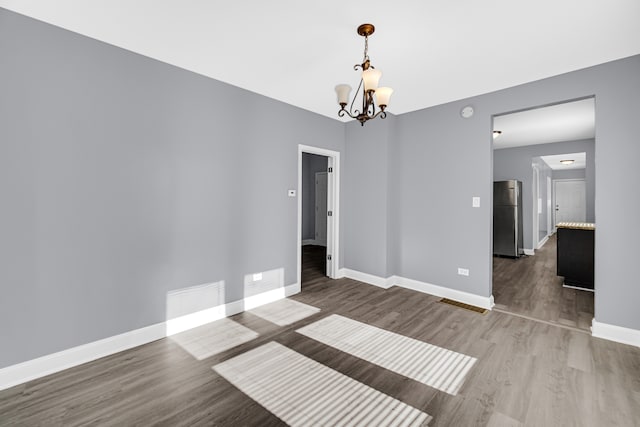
(507, 218)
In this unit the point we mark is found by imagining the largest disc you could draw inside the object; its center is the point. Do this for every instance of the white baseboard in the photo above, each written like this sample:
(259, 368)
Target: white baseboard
(427, 288)
(615, 333)
(367, 278)
(543, 241)
(530, 252)
(442, 292)
(52, 363)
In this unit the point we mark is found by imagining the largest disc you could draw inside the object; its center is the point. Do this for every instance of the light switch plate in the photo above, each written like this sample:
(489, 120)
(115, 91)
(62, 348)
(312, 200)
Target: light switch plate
(475, 202)
(292, 193)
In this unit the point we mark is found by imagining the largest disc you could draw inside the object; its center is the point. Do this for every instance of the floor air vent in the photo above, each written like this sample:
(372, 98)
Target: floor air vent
(463, 305)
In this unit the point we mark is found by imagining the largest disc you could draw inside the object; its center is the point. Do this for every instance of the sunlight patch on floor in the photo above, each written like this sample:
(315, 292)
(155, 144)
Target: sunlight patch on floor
(284, 312)
(434, 366)
(213, 338)
(303, 392)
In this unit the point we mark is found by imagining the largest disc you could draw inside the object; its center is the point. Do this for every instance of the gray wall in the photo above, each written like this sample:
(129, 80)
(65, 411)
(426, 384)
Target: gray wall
(438, 161)
(311, 164)
(444, 160)
(570, 174)
(515, 163)
(366, 197)
(123, 178)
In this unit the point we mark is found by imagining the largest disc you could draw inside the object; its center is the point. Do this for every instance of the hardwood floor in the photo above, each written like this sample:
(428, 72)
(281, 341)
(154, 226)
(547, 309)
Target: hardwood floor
(529, 287)
(314, 264)
(527, 372)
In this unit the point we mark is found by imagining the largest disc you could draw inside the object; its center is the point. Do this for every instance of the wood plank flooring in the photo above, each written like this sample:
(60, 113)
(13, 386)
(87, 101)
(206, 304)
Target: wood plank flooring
(528, 373)
(529, 287)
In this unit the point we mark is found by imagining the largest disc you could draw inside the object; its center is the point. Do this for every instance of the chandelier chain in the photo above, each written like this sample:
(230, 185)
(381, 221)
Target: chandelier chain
(366, 49)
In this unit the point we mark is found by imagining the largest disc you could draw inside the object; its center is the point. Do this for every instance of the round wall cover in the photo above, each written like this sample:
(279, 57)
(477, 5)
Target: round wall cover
(467, 111)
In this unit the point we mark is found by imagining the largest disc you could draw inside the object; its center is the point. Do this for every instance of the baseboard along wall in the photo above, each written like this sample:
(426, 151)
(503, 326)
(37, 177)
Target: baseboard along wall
(52, 363)
(427, 288)
(615, 333)
(599, 330)
(36, 368)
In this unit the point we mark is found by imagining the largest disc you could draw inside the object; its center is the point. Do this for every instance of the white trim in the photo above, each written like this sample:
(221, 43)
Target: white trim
(52, 363)
(549, 205)
(615, 333)
(427, 288)
(543, 241)
(535, 190)
(269, 296)
(202, 317)
(530, 252)
(370, 279)
(578, 288)
(440, 291)
(333, 233)
(199, 318)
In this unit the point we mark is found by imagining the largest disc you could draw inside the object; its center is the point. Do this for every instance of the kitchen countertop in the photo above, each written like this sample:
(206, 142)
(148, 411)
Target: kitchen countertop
(577, 225)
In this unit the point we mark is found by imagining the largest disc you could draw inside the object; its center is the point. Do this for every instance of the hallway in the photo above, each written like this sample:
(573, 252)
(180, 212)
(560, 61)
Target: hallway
(314, 264)
(529, 287)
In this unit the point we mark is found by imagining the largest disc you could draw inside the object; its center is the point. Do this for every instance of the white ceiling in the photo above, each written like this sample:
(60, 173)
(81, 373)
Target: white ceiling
(580, 161)
(430, 52)
(569, 121)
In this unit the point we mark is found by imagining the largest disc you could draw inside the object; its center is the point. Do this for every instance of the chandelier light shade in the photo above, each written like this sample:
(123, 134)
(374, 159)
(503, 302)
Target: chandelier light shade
(370, 78)
(368, 87)
(382, 96)
(343, 92)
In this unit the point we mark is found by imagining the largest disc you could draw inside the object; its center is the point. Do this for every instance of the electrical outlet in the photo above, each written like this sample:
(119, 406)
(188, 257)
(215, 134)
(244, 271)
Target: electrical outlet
(463, 271)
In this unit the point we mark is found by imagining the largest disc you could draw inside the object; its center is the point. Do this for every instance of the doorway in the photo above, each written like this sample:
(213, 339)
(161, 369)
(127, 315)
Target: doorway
(318, 209)
(529, 286)
(570, 200)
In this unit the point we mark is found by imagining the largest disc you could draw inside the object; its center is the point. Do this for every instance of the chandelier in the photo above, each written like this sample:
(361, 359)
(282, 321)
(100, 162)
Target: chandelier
(368, 87)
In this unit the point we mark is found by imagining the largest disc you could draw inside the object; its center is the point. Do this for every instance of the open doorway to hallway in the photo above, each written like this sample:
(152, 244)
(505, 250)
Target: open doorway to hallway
(528, 148)
(318, 213)
(314, 216)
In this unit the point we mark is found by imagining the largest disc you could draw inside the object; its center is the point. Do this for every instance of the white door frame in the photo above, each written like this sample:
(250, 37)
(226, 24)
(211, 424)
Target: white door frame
(333, 205)
(536, 216)
(550, 208)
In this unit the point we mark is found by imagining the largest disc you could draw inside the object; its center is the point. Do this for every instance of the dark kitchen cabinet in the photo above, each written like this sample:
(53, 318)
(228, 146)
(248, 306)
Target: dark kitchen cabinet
(576, 254)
